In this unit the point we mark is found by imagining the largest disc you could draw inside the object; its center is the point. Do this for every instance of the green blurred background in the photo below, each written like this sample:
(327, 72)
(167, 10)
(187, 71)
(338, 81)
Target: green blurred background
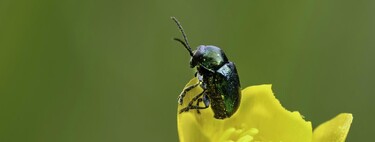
(79, 71)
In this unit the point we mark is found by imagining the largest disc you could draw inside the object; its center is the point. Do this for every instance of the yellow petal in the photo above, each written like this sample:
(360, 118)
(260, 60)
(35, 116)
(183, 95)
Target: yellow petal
(191, 126)
(189, 130)
(260, 117)
(260, 109)
(334, 130)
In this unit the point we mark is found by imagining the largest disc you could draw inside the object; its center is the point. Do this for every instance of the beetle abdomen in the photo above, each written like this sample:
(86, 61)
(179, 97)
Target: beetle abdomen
(217, 105)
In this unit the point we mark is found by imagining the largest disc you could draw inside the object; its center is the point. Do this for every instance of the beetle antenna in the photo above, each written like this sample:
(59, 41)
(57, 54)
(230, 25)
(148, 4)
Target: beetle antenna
(183, 43)
(186, 43)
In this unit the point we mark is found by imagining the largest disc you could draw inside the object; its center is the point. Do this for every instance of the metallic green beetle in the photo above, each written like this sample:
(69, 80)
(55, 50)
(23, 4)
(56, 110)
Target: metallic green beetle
(217, 77)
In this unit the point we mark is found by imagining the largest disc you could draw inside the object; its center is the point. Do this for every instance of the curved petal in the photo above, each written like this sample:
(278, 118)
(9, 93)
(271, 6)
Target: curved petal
(193, 126)
(334, 130)
(189, 130)
(260, 117)
(260, 109)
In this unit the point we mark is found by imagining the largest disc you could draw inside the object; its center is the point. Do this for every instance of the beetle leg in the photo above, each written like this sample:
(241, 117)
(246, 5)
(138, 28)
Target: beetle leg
(183, 93)
(191, 102)
(190, 105)
(205, 100)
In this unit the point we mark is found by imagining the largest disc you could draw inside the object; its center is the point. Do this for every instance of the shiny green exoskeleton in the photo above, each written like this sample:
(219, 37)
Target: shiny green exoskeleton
(217, 77)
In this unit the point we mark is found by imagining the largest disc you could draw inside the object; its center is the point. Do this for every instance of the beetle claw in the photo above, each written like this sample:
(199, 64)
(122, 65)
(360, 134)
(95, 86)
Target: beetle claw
(179, 100)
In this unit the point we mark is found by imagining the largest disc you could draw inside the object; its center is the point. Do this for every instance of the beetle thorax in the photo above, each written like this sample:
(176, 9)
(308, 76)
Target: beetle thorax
(209, 57)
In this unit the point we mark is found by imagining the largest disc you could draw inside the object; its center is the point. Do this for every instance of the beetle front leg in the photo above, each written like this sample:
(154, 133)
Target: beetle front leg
(190, 105)
(205, 100)
(183, 93)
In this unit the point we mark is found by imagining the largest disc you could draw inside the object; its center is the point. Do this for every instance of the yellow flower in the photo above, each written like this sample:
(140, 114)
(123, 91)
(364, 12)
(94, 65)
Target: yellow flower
(260, 118)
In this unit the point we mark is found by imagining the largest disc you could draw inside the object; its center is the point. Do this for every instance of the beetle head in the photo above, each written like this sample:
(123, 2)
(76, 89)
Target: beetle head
(209, 57)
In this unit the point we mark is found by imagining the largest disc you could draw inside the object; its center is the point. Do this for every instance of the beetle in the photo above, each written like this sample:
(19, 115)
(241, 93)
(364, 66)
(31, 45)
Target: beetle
(217, 76)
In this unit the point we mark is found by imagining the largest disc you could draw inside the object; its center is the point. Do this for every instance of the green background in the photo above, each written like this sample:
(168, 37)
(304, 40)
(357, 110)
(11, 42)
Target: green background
(80, 71)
